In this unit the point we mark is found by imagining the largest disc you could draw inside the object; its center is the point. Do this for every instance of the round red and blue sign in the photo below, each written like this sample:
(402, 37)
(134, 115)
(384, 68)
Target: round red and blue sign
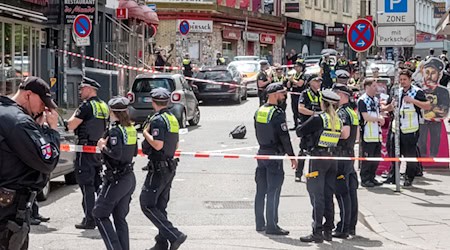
(361, 35)
(184, 27)
(82, 26)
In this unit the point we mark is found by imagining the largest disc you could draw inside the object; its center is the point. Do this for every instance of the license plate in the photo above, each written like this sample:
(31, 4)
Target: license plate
(213, 86)
(147, 99)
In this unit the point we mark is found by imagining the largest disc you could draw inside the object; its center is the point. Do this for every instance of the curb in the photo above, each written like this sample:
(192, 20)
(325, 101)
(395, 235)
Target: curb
(366, 218)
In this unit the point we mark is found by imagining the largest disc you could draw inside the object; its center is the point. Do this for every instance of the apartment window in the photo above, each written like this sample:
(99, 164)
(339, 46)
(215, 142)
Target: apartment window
(333, 5)
(346, 6)
(316, 3)
(308, 3)
(325, 4)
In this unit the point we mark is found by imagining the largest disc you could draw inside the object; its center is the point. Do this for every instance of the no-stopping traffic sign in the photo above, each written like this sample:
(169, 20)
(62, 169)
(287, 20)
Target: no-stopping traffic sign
(361, 35)
(82, 26)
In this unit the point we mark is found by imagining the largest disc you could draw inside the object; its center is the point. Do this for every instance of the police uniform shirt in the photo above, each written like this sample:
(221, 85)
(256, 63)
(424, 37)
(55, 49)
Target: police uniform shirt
(85, 112)
(299, 77)
(121, 146)
(305, 100)
(347, 120)
(28, 152)
(326, 70)
(262, 76)
(281, 79)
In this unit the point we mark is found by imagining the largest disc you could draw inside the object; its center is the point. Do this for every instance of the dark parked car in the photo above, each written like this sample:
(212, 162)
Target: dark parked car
(65, 164)
(212, 91)
(183, 103)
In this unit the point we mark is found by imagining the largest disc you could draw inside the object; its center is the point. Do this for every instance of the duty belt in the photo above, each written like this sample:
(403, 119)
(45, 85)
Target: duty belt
(345, 151)
(166, 166)
(114, 174)
(322, 151)
(86, 142)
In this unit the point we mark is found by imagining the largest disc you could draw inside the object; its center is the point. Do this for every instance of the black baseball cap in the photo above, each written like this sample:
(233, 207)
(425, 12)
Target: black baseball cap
(40, 88)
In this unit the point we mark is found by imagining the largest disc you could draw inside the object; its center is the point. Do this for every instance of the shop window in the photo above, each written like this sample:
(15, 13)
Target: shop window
(264, 51)
(194, 50)
(227, 50)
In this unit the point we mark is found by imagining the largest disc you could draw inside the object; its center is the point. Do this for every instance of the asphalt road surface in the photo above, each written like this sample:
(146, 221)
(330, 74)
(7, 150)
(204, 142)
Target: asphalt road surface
(211, 199)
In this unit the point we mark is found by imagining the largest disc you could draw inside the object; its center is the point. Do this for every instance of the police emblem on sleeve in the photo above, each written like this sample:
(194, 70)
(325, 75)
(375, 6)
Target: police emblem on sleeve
(113, 140)
(284, 127)
(46, 151)
(155, 132)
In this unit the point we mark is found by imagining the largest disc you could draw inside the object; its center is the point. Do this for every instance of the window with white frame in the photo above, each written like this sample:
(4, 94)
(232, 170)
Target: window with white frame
(346, 7)
(325, 4)
(333, 5)
(316, 3)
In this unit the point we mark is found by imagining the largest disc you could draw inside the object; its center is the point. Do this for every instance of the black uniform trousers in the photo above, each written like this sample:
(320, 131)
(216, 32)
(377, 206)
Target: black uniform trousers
(262, 97)
(301, 163)
(433, 130)
(321, 189)
(408, 148)
(269, 178)
(154, 198)
(115, 198)
(294, 106)
(369, 168)
(9, 213)
(87, 168)
(346, 193)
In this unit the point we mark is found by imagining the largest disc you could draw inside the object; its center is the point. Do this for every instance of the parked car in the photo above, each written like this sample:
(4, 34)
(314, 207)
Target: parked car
(249, 70)
(246, 58)
(211, 91)
(183, 103)
(65, 164)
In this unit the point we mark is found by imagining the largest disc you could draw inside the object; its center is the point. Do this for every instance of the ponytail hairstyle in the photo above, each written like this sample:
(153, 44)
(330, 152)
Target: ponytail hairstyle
(330, 109)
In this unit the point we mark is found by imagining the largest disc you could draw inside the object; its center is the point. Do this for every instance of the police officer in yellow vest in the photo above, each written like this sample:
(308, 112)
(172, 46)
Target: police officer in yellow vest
(371, 121)
(278, 76)
(342, 64)
(325, 130)
(187, 66)
(90, 123)
(220, 60)
(161, 142)
(118, 148)
(297, 83)
(309, 104)
(412, 100)
(273, 138)
(347, 179)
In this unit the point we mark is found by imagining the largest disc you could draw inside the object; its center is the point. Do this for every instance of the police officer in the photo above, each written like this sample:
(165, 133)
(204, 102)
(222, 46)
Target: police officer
(347, 180)
(342, 64)
(309, 104)
(412, 100)
(278, 76)
(325, 130)
(89, 122)
(220, 60)
(263, 79)
(29, 151)
(118, 148)
(161, 142)
(187, 66)
(342, 77)
(273, 138)
(326, 71)
(297, 85)
(371, 122)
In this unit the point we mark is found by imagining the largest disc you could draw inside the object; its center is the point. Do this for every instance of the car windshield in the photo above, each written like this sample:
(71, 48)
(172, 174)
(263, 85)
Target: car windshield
(247, 67)
(216, 75)
(147, 84)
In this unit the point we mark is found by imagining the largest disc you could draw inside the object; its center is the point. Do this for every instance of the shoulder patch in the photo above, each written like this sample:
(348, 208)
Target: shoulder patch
(284, 126)
(46, 151)
(113, 140)
(155, 132)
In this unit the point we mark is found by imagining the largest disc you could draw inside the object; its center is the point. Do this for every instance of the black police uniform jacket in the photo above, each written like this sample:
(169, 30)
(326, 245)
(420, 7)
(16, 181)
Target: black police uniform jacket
(271, 130)
(94, 113)
(28, 152)
(121, 147)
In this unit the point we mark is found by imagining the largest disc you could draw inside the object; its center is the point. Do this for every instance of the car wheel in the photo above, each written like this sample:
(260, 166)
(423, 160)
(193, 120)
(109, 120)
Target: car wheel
(70, 178)
(183, 120)
(238, 99)
(43, 195)
(244, 97)
(196, 118)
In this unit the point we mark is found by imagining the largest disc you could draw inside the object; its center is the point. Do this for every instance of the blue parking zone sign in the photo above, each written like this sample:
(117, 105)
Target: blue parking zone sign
(396, 6)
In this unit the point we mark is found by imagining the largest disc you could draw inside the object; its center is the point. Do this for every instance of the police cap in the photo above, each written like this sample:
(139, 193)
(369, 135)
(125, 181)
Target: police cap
(339, 87)
(40, 88)
(314, 77)
(118, 103)
(300, 62)
(160, 94)
(88, 82)
(239, 132)
(275, 87)
(329, 96)
(435, 63)
(263, 62)
(342, 74)
(444, 51)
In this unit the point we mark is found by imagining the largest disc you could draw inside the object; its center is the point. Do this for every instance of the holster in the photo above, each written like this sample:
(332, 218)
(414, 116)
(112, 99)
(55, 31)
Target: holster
(113, 174)
(167, 166)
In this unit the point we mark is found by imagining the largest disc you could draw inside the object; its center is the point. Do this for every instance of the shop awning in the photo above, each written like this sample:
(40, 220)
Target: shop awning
(443, 26)
(23, 13)
(150, 16)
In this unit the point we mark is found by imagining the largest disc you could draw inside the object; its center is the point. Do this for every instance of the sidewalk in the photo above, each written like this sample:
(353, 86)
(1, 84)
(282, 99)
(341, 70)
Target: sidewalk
(418, 216)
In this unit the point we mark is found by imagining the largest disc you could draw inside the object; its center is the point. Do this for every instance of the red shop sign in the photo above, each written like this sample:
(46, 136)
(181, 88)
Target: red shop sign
(231, 34)
(267, 38)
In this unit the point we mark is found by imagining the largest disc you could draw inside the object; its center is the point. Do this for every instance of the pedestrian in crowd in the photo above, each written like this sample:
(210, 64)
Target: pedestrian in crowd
(347, 179)
(29, 149)
(431, 54)
(412, 101)
(270, 58)
(375, 72)
(161, 59)
(371, 122)
(89, 122)
(354, 81)
(278, 76)
(322, 131)
(263, 80)
(444, 57)
(292, 57)
(220, 60)
(445, 76)
(118, 148)
(325, 71)
(297, 85)
(309, 104)
(187, 66)
(161, 142)
(273, 139)
(36, 218)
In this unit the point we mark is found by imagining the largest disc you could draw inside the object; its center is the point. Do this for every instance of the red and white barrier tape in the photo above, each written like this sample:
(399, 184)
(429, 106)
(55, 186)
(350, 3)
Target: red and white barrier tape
(93, 149)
